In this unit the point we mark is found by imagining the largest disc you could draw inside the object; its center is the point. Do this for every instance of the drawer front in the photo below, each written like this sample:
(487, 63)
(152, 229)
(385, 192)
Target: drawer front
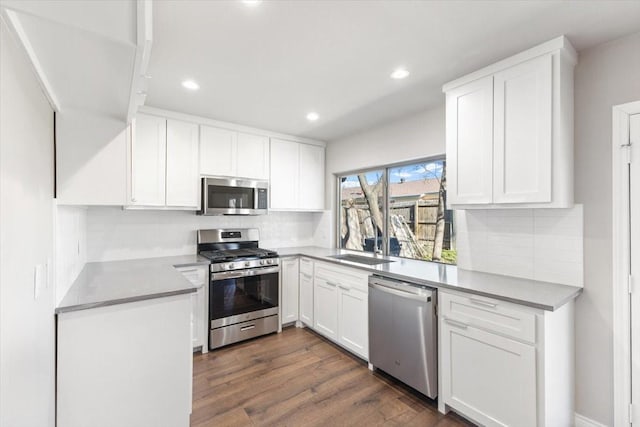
(489, 314)
(306, 266)
(347, 277)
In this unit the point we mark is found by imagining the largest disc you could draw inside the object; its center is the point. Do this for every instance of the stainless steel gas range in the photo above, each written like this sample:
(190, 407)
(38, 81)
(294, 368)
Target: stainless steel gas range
(243, 285)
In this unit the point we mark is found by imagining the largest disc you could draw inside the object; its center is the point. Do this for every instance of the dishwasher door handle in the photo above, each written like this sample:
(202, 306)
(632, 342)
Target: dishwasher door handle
(398, 292)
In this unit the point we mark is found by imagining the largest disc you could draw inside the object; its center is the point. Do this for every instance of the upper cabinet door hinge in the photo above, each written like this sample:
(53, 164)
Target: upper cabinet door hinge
(626, 152)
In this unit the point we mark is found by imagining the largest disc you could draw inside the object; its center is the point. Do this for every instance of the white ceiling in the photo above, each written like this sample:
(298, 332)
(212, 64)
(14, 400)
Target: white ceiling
(269, 65)
(85, 50)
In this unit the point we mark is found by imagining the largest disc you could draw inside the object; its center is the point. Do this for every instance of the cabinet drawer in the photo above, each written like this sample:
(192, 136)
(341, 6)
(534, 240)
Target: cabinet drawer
(489, 314)
(306, 266)
(341, 276)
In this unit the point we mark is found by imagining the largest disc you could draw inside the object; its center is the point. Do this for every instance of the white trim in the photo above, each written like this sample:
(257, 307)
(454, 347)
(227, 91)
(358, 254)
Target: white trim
(226, 125)
(582, 421)
(558, 44)
(144, 40)
(621, 267)
(10, 18)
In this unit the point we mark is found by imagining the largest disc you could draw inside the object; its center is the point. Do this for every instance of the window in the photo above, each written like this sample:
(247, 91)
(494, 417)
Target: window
(399, 211)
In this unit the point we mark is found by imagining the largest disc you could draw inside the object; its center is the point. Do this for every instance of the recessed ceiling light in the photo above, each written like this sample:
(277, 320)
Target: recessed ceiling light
(251, 3)
(312, 117)
(399, 73)
(191, 85)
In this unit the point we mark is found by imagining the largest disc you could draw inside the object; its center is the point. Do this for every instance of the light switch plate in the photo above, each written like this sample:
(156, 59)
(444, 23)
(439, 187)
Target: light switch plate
(39, 278)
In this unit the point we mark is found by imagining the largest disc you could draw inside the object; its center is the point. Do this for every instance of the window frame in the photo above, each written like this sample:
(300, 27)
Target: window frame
(385, 199)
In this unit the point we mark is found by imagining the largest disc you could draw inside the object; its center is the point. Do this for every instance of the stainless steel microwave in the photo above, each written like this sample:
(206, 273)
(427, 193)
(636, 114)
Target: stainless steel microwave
(229, 196)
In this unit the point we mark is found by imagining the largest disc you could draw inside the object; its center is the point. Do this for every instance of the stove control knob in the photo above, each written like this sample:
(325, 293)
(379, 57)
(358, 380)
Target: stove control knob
(269, 261)
(261, 262)
(247, 263)
(229, 266)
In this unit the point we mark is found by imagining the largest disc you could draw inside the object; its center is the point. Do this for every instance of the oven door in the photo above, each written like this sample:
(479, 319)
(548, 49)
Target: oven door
(239, 296)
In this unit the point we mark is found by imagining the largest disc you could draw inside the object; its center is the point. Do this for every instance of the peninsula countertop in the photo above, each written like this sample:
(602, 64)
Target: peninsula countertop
(101, 284)
(532, 293)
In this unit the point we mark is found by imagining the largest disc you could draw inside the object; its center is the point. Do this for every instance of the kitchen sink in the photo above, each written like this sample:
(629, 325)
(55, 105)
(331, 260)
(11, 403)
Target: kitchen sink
(361, 259)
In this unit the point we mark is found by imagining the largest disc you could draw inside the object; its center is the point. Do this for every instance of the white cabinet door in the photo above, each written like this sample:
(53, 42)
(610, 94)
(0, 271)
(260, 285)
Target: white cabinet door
(148, 160)
(284, 174)
(218, 150)
(353, 320)
(522, 132)
(469, 133)
(306, 298)
(289, 275)
(489, 378)
(182, 164)
(253, 156)
(311, 185)
(325, 313)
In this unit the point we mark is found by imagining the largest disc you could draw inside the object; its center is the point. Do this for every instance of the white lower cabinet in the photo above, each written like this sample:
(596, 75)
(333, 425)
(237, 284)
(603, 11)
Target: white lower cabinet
(341, 306)
(502, 364)
(353, 320)
(198, 276)
(289, 276)
(306, 291)
(105, 374)
(325, 303)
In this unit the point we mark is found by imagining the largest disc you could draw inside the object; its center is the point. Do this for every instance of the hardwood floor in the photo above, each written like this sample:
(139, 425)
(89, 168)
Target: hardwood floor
(297, 378)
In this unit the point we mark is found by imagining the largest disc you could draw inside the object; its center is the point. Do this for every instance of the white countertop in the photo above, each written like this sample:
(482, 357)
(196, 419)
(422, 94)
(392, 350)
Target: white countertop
(532, 293)
(101, 284)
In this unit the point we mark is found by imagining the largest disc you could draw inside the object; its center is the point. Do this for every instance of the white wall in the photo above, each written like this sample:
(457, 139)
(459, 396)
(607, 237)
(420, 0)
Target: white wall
(71, 247)
(114, 233)
(416, 136)
(27, 339)
(606, 75)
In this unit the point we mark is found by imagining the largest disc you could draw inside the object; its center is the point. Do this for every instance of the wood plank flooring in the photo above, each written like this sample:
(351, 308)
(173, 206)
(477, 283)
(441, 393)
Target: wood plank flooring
(298, 378)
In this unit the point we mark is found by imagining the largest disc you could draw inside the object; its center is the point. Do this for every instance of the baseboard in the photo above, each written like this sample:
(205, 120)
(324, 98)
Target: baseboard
(582, 421)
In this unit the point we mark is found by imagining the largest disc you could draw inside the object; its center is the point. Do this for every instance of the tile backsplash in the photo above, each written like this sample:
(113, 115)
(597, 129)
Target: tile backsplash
(539, 244)
(116, 234)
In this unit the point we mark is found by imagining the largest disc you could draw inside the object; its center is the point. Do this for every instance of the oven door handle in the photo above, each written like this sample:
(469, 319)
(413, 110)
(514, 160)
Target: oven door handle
(243, 273)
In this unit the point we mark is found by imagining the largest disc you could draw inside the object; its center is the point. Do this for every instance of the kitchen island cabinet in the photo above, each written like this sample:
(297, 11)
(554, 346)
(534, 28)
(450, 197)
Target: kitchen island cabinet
(124, 344)
(125, 365)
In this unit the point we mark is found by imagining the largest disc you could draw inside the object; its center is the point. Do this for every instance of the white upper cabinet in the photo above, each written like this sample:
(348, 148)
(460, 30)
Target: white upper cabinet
(297, 176)
(234, 154)
(217, 151)
(311, 172)
(469, 142)
(522, 132)
(509, 131)
(163, 160)
(182, 164)
(253, 156)
(148, 160)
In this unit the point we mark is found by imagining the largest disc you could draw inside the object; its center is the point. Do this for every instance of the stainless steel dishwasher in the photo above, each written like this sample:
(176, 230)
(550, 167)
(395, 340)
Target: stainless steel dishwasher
(403, 332)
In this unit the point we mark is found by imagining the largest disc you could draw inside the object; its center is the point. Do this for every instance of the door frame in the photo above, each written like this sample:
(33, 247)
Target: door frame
(621, 264)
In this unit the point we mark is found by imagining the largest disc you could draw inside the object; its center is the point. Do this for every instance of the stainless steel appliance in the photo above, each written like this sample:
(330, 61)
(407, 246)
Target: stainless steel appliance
(229, 196)
(243, 285)
(402, 332)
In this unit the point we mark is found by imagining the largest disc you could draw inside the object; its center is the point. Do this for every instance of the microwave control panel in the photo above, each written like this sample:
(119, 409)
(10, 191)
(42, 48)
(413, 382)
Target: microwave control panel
(262, 198)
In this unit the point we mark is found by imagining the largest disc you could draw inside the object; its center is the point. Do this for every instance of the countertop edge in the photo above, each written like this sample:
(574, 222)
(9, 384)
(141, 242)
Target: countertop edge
(527, 303)
(87, 306)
